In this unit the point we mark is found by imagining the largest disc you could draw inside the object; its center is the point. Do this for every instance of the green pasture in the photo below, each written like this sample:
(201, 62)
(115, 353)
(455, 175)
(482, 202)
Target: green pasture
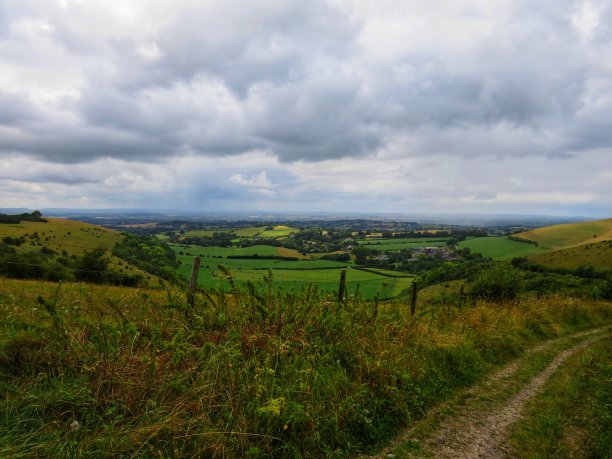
(392, 245)
(203, 232)
(500, 248)
(288, 275)
(250, 231)
(214, 251)
(369, 284)
(278, 231)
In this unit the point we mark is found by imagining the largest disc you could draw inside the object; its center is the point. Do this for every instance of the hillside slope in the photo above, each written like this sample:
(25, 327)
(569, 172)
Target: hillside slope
(69, 238)
(570, 235)
(597, 255)
(59, 234)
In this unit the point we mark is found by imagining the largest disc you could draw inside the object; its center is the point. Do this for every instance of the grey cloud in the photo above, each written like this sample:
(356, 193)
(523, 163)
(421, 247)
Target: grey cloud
(15, 110)
(291, 78)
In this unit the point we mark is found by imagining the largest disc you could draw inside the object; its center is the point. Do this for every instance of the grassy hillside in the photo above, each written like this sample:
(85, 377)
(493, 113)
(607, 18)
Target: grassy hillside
(598, 255)
(571, 234)
(114, 372)
(60, 234)
(70, 238)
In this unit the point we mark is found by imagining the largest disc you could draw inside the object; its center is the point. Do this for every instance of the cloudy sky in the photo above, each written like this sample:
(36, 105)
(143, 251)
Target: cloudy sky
(480, 106)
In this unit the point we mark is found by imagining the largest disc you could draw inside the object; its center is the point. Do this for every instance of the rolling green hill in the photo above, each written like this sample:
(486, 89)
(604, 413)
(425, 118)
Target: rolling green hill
(570, 235)
(597, 255)
(59, 234)
(67, 237)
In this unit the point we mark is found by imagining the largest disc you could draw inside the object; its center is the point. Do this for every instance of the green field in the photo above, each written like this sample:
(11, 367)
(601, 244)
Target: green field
(500, 248)
(250, 231)
(278, 231)
(202, 233)
(392, 245)
(213, 251)
(571, 234)
(288, 275)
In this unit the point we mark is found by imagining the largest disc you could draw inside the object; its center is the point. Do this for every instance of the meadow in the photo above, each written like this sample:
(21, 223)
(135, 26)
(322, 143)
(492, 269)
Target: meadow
(59, 234)
(72, 238)
(88, 371)
(287, 275)
(500, 248)
(278, 231)
(396, 244)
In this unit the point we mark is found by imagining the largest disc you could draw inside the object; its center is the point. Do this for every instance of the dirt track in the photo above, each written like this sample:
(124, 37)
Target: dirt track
(480, 430)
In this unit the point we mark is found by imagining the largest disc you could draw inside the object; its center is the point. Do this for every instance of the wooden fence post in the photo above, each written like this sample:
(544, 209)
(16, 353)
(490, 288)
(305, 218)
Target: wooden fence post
(414, 299)
(193, 283)
(342, 288)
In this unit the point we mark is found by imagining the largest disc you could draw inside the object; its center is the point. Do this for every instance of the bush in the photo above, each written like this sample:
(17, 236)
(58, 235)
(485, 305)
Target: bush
(497, 283)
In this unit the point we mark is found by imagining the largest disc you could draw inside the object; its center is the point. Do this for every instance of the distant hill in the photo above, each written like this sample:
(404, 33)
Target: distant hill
(59, 234)
(569, 235)
(66, 238)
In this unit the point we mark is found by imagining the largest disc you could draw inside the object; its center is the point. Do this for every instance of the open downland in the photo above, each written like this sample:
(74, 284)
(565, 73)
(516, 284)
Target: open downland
(479, 422)
(59, 234)
(571, 234)
(73, 237)
(598, 255)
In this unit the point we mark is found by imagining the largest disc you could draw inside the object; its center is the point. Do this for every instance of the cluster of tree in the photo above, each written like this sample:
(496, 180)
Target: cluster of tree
(337, 256)
(522, 239)
(35, 216)
(16, 241)
(413, 234)
(263, 241)
(256, 256)
(583, 271)
(317, 240)
(218, 239)
(149, 254)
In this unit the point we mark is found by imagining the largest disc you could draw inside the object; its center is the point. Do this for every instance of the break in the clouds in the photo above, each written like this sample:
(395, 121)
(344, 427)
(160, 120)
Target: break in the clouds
(489, 105)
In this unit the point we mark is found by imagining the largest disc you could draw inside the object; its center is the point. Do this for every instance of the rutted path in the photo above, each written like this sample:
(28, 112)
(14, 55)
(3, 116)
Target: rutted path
(486, 411)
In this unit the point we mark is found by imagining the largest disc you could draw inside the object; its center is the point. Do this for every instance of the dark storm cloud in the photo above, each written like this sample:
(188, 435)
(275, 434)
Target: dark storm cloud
(16, 110)
(296, 79)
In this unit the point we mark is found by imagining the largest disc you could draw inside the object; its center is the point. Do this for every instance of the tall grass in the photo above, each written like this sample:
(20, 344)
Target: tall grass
(256, 373)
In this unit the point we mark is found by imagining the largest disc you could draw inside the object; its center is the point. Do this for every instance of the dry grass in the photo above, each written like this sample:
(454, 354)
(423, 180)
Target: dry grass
(259, 372)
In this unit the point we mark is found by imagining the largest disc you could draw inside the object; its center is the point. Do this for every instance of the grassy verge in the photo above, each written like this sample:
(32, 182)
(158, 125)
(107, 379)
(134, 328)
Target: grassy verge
(573, 417)
(257, 373)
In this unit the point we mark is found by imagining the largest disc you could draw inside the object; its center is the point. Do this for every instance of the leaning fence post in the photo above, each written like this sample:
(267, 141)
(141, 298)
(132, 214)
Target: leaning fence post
(414, 299)
(342, 287)
(193, 283)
